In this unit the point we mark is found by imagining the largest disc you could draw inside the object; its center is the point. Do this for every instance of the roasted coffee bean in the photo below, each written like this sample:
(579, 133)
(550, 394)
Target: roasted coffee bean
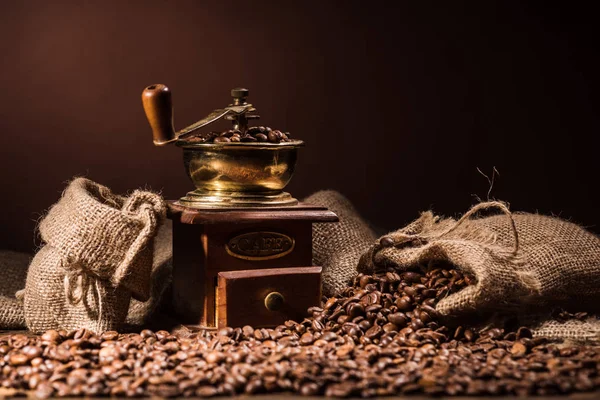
(307, 338)
(248, 331)
(261, 137)
(32, 351)
(518, 349)
(329, 336)
(339, 390)
(253, 134)
(524, 332)
(317, 325)
(364, 280)
(469, 335)
(495, 333)
(399, 319)
(110, 335)
(355, 310)
(373, 308)
(404, 303)
(147, 333)
(374, 332)
(214, 357)
(248, 138)
(365, 325)
(417, 324)
(51, 336)
(275, 136)
(206, 391)
(386, 241)
(82, 334)
(309, 389)
(381, 336)
(18, 358)
(423, 316)
(411, 277)
(410, 291)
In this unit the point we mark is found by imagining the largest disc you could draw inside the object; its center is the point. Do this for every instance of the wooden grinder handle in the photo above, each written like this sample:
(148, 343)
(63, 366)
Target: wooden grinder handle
(158, 107)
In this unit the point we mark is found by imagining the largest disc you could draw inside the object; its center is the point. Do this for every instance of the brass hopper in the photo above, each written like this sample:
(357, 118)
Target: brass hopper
(226, 175)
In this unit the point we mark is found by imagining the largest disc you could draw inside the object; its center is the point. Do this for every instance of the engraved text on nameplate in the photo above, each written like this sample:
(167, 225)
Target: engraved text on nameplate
(260, 245)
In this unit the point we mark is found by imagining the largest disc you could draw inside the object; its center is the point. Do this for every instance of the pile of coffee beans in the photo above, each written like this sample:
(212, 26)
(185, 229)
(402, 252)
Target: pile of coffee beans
(380, 336)
(254, 134)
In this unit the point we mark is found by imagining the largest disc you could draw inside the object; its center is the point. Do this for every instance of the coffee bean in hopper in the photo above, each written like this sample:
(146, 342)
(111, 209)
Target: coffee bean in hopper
(253, 134)
(261, 137)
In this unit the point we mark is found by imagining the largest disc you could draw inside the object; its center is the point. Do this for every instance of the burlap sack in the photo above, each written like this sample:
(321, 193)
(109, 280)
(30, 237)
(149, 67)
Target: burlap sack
(142, 313)
(13, 269)
(13, 273)
(522, 262)
(97, 254)
(337, 247)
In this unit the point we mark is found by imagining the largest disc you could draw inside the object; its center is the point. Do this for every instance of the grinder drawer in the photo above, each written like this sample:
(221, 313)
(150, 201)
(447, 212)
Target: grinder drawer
(266, 297)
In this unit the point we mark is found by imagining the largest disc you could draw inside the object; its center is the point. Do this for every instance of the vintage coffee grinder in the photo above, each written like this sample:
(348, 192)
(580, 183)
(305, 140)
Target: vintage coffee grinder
(242, 247)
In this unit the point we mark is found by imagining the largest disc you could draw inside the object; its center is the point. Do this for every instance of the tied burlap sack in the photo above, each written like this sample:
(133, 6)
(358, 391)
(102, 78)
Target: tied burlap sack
(97, 254)
(13, 273)
(523, 264)
(13, 269)
(337, 247)
(144, 313)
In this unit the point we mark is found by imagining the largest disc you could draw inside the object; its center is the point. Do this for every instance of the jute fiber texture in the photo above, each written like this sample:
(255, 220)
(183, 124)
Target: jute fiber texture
(13, 269)
(13, 273)
(587, 331)
(523, 263)
(337, 247)
(97, 254)
(141, 313)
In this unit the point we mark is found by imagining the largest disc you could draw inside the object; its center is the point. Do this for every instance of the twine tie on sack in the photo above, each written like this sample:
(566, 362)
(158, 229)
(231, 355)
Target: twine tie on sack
(137, 204)
(486, 206)
(418, 239)
(76, 278)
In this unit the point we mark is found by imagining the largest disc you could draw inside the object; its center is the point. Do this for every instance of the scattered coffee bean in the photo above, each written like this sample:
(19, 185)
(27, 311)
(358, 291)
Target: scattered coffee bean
(51, 336)
(518, 349)
(386, 241)
(380, 336)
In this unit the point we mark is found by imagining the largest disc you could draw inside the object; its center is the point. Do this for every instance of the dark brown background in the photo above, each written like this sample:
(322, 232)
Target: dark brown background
(398, 104)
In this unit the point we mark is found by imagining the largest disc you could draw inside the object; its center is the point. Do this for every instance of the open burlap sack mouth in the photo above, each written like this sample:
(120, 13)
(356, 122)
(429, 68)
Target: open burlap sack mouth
(523, 265)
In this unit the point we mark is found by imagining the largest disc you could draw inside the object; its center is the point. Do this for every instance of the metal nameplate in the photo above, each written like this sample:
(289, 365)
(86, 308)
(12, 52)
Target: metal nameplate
(260, 245)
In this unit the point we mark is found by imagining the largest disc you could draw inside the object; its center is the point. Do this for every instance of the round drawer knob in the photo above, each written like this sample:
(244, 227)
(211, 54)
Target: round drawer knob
(274, 301)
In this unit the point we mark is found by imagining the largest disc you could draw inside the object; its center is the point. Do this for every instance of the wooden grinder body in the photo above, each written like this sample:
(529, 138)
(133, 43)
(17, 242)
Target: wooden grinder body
(226, 262)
